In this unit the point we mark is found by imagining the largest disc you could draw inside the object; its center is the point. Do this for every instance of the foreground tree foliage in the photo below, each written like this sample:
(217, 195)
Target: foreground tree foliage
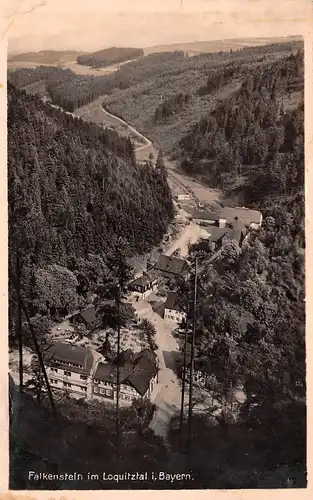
(80, 440)
(148, 332)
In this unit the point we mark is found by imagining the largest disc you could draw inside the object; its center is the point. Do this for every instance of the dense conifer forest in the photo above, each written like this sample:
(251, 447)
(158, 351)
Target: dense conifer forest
(70, 91)
(250, 337)
(112, 55)
(74, 190)
(251, 310)
(253, 139)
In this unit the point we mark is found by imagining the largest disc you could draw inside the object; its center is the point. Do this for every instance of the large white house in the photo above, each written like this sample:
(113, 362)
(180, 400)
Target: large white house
(137, 376)
(172, 310)
(71, 368)
(251, 219)
(85, 373)
(146, 284)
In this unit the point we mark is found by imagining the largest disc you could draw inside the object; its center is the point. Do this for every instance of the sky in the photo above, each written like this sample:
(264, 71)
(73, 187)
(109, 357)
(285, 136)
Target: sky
(95, 24)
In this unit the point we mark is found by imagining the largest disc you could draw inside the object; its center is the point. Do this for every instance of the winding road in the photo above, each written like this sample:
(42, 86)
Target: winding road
(132, 129)
(167, 397)
(178, 182)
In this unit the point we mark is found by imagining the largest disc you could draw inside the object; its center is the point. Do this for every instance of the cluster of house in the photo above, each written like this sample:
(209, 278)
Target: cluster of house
(86, 373)
(167, 269)
(228, 223)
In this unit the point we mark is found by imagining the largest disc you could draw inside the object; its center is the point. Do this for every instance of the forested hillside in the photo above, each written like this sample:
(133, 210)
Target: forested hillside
(112, 55)
(208, 79)
(250, 334)
(235, 119)
(254, 140)
(65, 88)
(76, 195)
(71, 91)
(139, 87)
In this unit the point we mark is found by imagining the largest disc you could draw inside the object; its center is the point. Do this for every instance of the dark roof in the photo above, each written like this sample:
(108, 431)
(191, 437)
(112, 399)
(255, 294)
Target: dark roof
(234, 234)
(172, 302)
(145, 368)
(248, 216)
(171, 265)
(145, 279)
(107, 372)
(145, 357)
(67, 353)
(158, 307)
(89, 315)
(238, 223)
(204, 215)
(216, 232)
(125, 357)
(137, 372)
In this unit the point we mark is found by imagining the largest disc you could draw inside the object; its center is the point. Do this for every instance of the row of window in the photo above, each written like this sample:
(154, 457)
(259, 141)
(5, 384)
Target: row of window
(144, 288)
(107, 392)
(109, 384)
(169, 316)
(67, 385)
(126, 397)
(67, 363)
(96, 382)
(68, 374)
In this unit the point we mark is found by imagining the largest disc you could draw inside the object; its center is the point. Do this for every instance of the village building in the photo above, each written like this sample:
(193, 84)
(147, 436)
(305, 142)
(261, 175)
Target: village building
(87, 317)
(183, 197)
(85, 373)
(250, 218)
(172, 309)
(137, 377)
(205, 218)
(169, 267)
(146, 284)
(71, 368)
(218, 236)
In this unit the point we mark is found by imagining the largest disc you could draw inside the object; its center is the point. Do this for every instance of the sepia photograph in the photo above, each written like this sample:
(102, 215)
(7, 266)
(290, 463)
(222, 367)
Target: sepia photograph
(156, 245)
